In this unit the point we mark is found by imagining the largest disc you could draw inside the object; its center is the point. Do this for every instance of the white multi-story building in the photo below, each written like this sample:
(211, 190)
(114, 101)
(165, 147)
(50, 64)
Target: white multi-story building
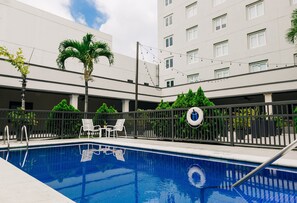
(235, 49)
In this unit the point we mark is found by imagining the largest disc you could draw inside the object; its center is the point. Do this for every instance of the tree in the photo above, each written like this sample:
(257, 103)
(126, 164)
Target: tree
(292, 32)
(87, 52)
(18, 61)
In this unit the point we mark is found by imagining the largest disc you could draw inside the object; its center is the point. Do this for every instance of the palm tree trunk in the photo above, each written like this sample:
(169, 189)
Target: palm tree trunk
(86, 96)
(24, 82)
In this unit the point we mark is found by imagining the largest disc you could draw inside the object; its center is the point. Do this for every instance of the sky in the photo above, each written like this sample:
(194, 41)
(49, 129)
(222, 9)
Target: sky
(128, 21)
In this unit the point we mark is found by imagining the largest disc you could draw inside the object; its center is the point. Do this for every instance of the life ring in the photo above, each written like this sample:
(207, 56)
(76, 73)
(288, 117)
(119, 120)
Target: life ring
(194, 116)
(196, 170)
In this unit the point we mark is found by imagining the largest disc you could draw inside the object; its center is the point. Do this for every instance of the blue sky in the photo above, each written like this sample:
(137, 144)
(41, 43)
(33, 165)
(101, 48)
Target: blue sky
(127, 21)
(85, 12)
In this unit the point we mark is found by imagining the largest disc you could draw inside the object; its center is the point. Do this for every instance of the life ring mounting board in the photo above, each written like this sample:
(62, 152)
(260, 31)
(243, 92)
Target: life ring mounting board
(195, 117)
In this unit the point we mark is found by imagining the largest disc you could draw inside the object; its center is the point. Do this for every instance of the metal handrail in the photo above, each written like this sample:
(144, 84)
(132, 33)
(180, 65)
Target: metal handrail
(6, 133)
(266, 163)
(24, 129)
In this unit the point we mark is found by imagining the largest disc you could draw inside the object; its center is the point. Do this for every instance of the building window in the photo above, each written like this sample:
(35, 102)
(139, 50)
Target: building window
(169, 83)
(168, 2)
(222, 73)
(255, 10)
(220, 22)
(193, 78)
(258, 66)
(192, 56)
(169, 41)
(192, 33)
(257, 39)
(221, 49)
(218, 2)
(168, 20)
(169, 63)
(191, 10)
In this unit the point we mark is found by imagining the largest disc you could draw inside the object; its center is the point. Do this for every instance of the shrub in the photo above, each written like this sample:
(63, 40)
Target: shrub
(295, 118)
(162, 127)
(101, 114)
(197, 99)
(192, 99)
(64, 119)
(20, 117)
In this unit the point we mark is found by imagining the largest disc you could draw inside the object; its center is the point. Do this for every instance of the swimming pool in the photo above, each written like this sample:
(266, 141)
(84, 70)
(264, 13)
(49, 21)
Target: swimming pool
(88, 172)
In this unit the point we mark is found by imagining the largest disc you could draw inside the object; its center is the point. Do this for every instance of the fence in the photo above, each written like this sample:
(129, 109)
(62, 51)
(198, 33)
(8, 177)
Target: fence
(260, 124)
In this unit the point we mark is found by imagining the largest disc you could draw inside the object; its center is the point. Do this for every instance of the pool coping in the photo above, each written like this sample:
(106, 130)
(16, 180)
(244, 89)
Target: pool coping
(18, 186)
(13, 179)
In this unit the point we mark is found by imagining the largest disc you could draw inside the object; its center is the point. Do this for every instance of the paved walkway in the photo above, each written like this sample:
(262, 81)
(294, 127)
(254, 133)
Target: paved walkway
(17, 186)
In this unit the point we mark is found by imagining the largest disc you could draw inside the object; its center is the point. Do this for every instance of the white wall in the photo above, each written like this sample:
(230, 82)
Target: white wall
(39, 34)
(272, 81)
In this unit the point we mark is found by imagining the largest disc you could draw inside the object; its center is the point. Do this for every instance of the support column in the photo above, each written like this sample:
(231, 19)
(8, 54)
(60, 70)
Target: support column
(125, 105)
(74, 100)
(268, 98)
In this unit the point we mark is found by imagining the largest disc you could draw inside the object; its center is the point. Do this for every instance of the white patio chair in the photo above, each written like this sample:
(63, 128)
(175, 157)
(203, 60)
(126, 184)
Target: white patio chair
(119, 126)
(89, 127)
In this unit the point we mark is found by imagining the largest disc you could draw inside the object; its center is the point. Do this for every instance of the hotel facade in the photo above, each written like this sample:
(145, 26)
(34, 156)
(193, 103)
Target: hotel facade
(235, 50)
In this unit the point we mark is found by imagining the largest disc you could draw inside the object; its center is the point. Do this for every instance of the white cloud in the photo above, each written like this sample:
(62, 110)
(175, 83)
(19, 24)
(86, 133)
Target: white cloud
(97, 23)
(81, 19)
(130, 21)
(58, 7)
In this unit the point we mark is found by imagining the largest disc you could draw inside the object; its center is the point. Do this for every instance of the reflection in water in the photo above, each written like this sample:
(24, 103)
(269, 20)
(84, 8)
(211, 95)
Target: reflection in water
(196, 176)
(98, 173)
(87, 154)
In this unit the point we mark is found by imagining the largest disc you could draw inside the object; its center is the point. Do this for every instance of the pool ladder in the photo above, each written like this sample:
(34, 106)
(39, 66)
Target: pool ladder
(6, 136)
(24, 130)
(284, 151)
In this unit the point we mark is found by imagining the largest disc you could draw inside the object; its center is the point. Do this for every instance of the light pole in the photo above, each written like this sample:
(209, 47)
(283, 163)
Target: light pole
(136, 76)
(136, 90)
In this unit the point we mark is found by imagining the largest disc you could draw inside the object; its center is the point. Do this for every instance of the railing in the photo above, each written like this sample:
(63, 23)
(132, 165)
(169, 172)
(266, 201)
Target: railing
(24, 131)
(266, 163)
(260, 124)
(6, 136)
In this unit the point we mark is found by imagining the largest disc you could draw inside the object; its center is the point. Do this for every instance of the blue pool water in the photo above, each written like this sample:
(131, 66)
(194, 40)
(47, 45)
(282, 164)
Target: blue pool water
(97, 173)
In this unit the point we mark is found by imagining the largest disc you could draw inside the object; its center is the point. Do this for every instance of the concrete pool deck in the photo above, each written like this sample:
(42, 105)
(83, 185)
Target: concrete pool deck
(18, 186)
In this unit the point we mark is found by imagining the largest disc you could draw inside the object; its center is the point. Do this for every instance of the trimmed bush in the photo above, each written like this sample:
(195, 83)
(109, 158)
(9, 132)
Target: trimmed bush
(209, 127)
(64, 120)
(101, 114)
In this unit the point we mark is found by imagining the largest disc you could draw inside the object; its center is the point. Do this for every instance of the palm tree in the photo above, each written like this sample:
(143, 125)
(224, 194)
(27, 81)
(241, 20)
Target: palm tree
(292, 32)
(88, 52)
(18, 61)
